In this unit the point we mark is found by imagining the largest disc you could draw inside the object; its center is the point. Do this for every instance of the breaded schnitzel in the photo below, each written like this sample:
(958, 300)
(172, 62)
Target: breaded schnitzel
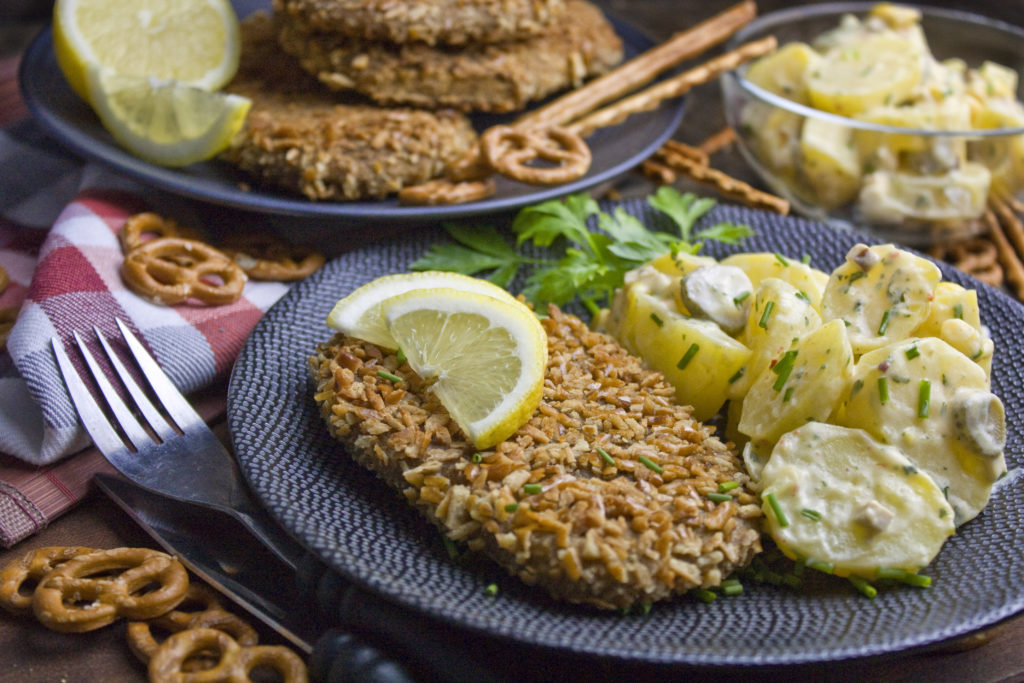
(302, 138)
(486, 77)
(622, 515)
(449, 22)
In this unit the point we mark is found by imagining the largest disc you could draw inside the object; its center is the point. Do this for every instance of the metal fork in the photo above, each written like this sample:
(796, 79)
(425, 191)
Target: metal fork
(184, 460)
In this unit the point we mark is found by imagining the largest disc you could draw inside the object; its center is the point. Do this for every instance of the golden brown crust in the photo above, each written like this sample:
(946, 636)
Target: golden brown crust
(612, 534)
(301, 138)
(497, 77)
(451, 22)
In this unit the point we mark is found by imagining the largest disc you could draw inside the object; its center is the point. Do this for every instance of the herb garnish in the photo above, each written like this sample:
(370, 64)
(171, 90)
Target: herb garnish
(593, 264)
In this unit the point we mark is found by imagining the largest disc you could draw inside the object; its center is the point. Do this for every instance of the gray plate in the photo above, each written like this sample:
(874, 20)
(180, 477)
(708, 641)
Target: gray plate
(369, 534)
(67, 118)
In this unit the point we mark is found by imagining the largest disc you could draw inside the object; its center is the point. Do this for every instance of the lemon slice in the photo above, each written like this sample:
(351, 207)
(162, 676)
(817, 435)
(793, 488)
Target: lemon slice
(486, 357)
(360, 314)
(193, 41)
(882, 70)
(165, 122)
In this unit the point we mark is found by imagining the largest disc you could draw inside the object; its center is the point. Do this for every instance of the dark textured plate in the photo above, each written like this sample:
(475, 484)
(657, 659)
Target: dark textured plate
(369, 534)
(67, 118)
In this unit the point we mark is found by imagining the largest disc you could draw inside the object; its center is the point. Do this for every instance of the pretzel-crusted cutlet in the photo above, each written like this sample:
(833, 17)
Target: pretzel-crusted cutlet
(491, 77)
(449, 22)
(622, 516)
(302, 138)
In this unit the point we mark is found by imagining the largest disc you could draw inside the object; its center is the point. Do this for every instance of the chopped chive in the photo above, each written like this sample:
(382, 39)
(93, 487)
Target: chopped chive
(732, 588)
(492, 589)
(719, 497)
(511, 507)
(657, 321)
(890, 573)
(604, 456)
(649, 464)
(883, 390)
(781, 259)
(821, 566)
(780, 516)
(737, 375)
(645, 608)
(704, 595)
(788, 395)
(388, 376)
(856, 276)
(449, 545)
(532, 488)
(912, 352)
(783, 369)
(688, 356)
(728, 486)
(810, 514)
(763, 322)
(884, 325)
(958, 311)
(863, 586)
(400, 356)
(805, 259)
(803, 295)
(740, 298)
(919, 580)
(924, 398)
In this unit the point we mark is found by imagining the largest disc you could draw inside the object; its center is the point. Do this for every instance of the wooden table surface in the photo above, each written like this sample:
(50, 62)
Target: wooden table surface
(30, 653)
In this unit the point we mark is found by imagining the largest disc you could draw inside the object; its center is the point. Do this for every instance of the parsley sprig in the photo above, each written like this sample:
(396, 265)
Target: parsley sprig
(593, 263)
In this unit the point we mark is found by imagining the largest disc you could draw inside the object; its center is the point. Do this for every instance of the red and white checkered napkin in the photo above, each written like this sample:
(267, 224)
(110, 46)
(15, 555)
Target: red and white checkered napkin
(59, 221)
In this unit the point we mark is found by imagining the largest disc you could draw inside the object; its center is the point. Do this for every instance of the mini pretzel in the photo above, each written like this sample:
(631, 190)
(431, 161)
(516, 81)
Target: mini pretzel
(20, 577)
(978, 257)
(510, 150)
(171, 270)
(443, 192)
(8, 316)
(233, 661)
(263, 257)
(657, 172)
(135, 230)
(93, 590)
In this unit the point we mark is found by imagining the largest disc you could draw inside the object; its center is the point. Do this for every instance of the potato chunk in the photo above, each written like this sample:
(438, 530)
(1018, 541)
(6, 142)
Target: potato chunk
(852, 502)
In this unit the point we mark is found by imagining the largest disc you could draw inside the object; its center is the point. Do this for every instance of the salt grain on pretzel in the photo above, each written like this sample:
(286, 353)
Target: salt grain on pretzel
(443, 191)
(718, 141)
(510, 150)
(234, 662)
(92, 590)
(730, 187)
(172, 270)
(19, 578)
(1008, 258)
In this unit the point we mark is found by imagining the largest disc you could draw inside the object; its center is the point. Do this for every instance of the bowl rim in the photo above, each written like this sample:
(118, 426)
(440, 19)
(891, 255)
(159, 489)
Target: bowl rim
(818, 10)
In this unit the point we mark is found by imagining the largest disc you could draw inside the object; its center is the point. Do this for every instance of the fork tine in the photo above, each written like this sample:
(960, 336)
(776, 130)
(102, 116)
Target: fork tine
(136, 434)
(93, 419)
(174, 401)
(148, 410)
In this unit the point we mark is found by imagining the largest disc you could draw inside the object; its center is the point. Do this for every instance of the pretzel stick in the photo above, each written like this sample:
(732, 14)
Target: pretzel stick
(1011, 263)
(1012, 225)
(726, 184)
(657, 172)
(643, 68)
(649, 99)
(1015, 204)
(719, 141)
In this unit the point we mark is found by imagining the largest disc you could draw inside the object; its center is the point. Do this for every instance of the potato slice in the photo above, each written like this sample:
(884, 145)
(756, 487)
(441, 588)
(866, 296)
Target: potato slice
(829, 162)
(897, 197)
(852, 502)
(778, 317)
(805, 383)
(954, 317)
(784, 72)
(883, 69)
(761, 265)
(908, 395)
(695, 356)
(881, 303)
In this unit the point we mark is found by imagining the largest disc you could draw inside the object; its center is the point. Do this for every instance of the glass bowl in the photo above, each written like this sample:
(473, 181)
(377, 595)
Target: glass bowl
(859, 166)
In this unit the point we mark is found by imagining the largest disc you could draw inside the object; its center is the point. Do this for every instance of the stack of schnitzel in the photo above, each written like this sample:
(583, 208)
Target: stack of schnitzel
(356, 99)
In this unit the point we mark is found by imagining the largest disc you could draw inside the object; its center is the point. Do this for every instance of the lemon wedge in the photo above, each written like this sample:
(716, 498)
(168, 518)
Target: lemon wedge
(165, 122)
(360, 314)
(485, 356)
(192, 41)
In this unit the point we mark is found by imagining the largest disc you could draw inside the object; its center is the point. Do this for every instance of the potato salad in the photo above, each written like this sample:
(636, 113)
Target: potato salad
(880, 70)
(860, 398)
